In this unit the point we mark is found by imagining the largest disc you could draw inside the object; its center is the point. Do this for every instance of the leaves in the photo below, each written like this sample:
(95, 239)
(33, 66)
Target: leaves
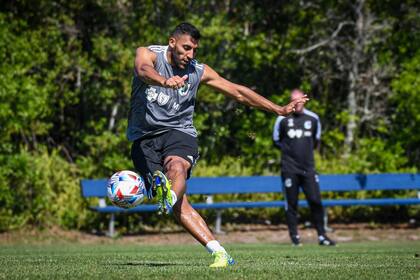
(65, 85)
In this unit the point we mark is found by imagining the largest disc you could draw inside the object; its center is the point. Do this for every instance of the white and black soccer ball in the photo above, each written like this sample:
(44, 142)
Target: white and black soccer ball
(126, 189)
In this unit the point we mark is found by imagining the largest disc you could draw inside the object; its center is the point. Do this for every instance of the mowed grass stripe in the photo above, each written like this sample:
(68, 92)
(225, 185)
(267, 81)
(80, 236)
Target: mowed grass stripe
(374, 260)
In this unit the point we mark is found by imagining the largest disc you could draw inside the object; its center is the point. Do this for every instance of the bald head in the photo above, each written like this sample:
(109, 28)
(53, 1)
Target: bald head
(296, 94)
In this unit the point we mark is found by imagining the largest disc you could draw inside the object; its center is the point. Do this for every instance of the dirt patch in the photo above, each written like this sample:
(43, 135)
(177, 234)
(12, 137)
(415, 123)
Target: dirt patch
(232, 234)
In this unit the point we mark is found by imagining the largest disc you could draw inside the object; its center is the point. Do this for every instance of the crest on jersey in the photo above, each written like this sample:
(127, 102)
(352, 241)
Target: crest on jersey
(151, 94)
(308, 125)
(290, 122)
(162, 98)
(184, 90)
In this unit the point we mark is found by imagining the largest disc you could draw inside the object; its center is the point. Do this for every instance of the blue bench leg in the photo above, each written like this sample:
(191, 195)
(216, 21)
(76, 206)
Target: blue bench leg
(218, 226)
(111, 227)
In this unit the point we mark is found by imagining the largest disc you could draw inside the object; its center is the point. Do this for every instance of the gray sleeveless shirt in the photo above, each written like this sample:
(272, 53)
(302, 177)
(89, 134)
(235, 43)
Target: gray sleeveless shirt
(155, 109)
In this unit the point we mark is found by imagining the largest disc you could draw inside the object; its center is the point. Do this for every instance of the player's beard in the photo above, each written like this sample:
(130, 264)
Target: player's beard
(177, 61)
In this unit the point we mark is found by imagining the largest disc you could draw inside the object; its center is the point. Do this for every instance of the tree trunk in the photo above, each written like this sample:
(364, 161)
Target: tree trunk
(352, 111)
(354, 77)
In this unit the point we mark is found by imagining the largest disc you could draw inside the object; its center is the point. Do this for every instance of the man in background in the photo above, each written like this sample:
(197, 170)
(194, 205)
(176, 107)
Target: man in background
(297, 135)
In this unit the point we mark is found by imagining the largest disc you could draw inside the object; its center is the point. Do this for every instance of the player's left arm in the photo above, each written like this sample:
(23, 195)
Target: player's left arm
(245, 95)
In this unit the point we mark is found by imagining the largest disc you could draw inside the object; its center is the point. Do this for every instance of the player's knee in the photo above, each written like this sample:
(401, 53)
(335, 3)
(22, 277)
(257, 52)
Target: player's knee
(176, 167)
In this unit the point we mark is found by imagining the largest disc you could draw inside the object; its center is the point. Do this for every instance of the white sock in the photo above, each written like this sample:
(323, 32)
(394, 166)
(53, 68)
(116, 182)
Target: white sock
(174, 197)
(214, 246)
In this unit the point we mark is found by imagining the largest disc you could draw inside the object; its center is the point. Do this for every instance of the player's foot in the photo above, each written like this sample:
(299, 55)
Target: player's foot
(325, 241)
(162, 187)
(296, 240)
(221, 259)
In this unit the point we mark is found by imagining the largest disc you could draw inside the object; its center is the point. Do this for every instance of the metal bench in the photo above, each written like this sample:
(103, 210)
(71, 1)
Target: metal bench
(210, 186)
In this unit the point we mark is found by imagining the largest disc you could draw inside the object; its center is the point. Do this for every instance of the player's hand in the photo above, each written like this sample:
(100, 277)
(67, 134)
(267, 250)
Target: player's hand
(175, 82)
(291, 107)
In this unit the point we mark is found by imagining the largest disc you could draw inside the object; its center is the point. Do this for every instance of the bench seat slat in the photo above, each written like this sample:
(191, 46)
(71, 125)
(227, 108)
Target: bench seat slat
(240, 204)
(272, 184)
(268, 204)
(115, 209)
(371, 202)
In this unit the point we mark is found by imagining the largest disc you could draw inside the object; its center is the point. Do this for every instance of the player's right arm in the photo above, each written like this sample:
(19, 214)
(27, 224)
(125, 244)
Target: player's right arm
(245, 95)
(145, 69)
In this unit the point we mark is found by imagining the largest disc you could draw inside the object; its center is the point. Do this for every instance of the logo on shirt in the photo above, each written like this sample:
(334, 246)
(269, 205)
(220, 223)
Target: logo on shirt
(151, 94)
(307, 133)
(184, 90)
(290, 122)
(162, 98)
(175, 107)
(307, 125)
(295, 133)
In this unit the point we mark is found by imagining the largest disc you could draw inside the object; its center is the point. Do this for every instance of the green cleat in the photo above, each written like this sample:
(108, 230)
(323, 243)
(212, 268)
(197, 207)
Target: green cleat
(162, 186)
(222, 259)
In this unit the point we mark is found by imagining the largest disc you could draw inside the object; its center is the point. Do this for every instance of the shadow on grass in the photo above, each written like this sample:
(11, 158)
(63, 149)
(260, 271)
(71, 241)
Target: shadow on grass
(150, 264)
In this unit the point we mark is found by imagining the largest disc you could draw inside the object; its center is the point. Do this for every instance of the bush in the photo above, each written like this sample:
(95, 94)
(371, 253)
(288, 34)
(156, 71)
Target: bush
(40, 189)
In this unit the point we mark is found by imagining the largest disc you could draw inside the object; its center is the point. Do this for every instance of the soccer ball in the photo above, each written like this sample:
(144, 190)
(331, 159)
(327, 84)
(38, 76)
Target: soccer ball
(126, 189)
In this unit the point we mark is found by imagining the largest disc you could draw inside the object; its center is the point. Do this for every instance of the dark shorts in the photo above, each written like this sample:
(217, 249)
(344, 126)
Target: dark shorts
(149, 153)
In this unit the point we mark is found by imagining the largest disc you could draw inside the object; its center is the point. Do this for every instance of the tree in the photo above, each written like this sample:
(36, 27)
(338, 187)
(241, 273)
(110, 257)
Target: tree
(351, 52)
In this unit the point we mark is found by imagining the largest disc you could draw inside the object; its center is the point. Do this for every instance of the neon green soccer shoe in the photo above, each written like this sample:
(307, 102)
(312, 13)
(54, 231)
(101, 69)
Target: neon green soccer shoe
(222, 259)
(162, 186)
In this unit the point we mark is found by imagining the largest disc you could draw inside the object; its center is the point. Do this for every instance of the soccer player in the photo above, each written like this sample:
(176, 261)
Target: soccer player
(297, 135)
(160, 124)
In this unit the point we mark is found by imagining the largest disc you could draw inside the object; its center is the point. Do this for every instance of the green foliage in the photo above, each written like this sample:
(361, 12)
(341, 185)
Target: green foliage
(23, 95)
(406, 109)
(107, 154)
(371, 156)
(65, 78)
(39, 189)
(228, 166)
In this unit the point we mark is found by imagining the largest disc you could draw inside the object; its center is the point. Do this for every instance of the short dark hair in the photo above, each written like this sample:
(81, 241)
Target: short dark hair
(186, 28)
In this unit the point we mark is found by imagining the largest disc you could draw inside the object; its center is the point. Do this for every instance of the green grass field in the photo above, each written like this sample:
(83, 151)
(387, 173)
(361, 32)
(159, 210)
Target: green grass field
(374, 260)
